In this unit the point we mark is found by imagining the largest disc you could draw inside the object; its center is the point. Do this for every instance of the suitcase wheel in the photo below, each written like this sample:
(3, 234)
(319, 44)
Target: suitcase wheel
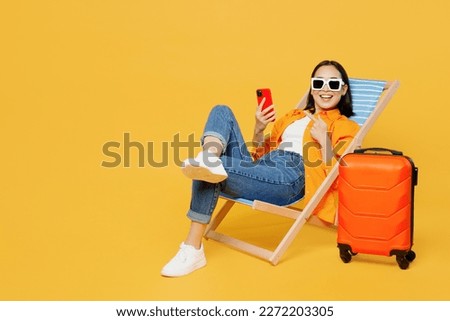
(345, 256)
(410, 256)
(403, 260)
(345, 253)
(403, 263)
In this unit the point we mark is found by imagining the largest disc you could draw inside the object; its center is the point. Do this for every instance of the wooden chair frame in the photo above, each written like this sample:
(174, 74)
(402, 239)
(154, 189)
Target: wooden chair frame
(300, 217)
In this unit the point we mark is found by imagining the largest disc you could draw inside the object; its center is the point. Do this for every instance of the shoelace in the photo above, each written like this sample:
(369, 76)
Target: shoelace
(182, 254)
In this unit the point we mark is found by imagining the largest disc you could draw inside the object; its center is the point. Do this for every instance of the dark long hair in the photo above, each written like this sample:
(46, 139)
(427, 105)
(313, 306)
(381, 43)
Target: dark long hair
(345, 105)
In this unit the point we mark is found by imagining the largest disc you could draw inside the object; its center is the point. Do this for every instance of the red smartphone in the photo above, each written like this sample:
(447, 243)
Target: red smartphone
(264, 93)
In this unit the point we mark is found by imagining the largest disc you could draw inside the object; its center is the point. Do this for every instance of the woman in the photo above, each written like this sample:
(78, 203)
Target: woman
(287, 165)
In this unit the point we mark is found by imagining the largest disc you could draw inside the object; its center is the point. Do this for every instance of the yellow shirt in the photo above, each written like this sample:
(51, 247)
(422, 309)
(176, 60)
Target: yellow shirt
(342, 131)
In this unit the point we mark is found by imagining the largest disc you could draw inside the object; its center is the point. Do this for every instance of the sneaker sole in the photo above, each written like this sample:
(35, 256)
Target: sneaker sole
(202, 174)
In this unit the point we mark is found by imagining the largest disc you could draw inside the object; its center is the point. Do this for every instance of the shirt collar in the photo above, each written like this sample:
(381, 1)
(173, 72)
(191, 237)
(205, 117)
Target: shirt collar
(330, 114)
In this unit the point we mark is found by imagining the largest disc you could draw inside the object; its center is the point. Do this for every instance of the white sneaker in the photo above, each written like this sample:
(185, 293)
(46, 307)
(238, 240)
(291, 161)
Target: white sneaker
(204, 167)
(187, 260)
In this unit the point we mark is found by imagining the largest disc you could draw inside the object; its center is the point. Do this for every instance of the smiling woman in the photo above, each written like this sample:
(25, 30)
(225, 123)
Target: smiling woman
(287, 165)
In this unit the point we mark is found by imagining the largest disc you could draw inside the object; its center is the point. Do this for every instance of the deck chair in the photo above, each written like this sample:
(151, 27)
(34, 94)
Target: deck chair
(370, 97)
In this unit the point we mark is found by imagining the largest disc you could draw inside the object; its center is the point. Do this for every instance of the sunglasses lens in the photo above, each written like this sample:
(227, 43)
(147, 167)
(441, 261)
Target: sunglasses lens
(334, 84)
(317, 84)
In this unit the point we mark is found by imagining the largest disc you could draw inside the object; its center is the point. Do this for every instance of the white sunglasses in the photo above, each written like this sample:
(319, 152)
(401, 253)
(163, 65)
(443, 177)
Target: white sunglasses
(334, 84)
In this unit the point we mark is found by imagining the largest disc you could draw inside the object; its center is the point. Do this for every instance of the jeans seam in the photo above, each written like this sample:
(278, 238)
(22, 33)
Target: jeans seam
(261, 179)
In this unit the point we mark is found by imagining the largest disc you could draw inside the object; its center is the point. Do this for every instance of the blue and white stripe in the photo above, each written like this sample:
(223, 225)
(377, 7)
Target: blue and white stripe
(365, 95)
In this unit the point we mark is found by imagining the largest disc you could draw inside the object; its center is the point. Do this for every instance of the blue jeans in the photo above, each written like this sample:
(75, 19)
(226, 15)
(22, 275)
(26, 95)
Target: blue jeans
(277, 177)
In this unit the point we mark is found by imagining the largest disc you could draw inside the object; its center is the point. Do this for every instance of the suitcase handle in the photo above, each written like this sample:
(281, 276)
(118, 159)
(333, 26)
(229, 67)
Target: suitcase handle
(377, 149)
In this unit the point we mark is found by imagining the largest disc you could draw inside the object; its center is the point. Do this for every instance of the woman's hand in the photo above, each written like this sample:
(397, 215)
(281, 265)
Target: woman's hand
(262, 118)
(319, 130)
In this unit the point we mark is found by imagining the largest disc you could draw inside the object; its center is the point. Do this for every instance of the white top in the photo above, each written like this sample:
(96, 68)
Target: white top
(292, 138)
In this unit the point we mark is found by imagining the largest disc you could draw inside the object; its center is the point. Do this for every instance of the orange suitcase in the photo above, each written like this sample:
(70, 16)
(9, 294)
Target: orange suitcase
(376, 204)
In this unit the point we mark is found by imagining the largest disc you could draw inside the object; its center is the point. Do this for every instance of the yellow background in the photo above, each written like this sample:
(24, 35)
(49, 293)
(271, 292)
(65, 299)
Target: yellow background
(77, 74)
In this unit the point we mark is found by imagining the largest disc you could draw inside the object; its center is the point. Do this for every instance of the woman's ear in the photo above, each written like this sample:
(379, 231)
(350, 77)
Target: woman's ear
(344, 89)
